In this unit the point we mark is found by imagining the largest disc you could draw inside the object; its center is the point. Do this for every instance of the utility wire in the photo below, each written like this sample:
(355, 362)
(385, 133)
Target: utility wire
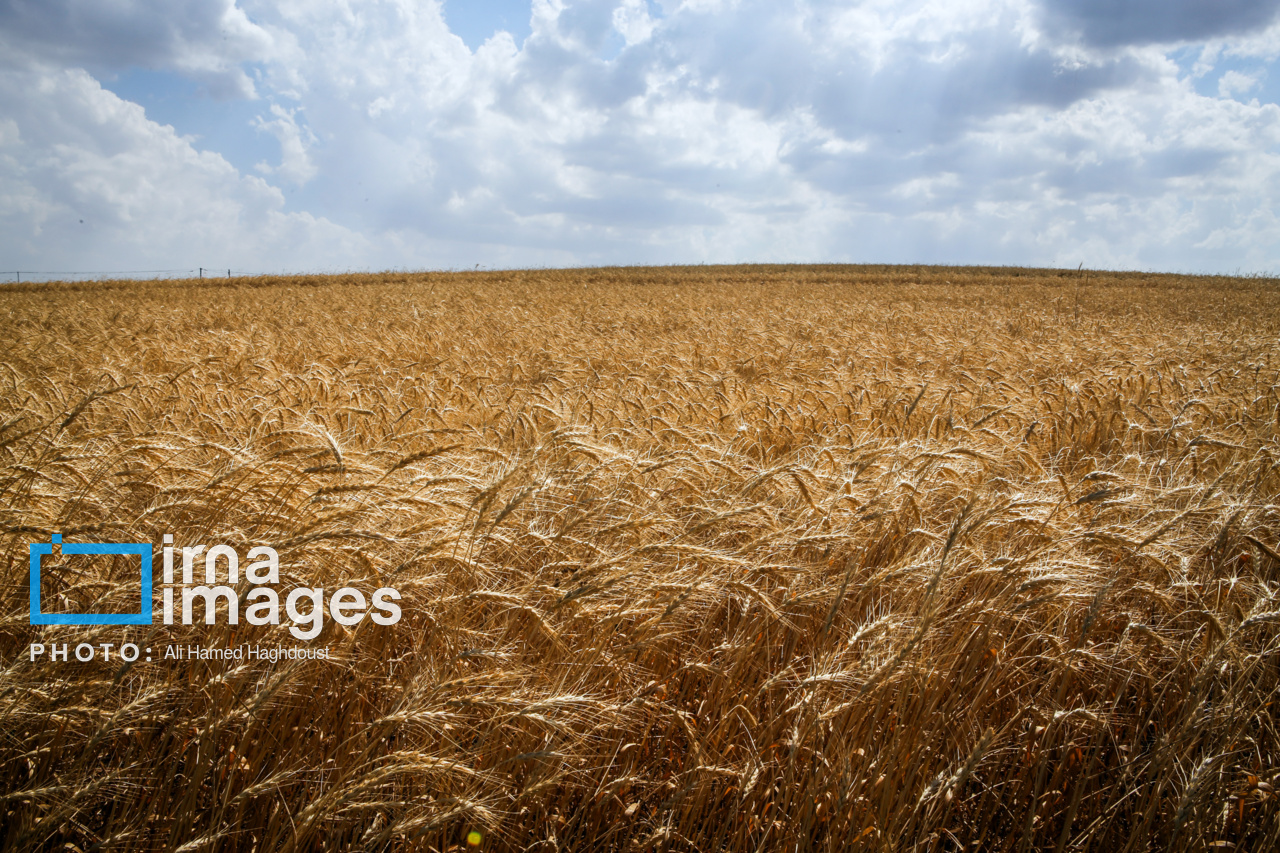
(201, 271)
(95, 272)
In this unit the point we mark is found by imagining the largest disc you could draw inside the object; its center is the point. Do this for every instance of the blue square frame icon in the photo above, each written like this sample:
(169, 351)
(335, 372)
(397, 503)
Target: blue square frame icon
(140, 549)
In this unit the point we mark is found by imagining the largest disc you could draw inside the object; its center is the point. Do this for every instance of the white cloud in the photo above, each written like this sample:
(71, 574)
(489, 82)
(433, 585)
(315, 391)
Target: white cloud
(631, 18)
(295, 162)
(87, 182)
(1234, 83)
(897, 130)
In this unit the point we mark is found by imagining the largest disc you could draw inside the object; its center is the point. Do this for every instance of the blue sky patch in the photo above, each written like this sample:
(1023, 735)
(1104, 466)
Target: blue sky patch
(222, 125)
(475, 21)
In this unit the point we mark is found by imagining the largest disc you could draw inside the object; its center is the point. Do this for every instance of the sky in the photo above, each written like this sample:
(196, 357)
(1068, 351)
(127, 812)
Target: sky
(333, 135)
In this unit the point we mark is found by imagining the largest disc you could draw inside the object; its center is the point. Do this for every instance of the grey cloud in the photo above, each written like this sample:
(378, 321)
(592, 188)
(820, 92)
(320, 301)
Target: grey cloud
(587, 23)
(762, 59)
(547, 66)
(934, 103)
(205, 40)
(1112, 23)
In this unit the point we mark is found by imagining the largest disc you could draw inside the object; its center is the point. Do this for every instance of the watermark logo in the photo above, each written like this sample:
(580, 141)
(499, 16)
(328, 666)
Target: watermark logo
(140, 549)
(223, 596)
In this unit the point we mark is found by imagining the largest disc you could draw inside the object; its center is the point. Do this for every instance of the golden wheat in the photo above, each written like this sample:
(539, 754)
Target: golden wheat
(715, 558)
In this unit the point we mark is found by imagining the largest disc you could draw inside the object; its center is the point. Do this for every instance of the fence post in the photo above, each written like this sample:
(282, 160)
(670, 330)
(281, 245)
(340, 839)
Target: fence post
(228, 273)
(201, 272)
(19, 275)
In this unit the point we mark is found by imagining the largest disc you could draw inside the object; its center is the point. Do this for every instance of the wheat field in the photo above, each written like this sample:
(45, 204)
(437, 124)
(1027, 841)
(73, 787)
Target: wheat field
(742, 558)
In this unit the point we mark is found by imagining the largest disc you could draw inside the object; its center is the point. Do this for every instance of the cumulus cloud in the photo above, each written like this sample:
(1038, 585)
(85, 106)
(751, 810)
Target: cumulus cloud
(85, 177)
(633, 22)
(295, 161)
(1009, 131)
(900, 131)
(1233, 83)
